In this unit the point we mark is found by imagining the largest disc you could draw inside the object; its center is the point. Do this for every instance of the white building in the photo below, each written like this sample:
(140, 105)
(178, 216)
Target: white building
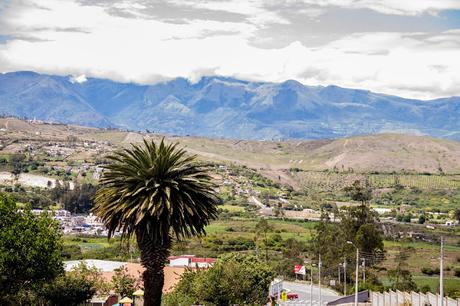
(190, 261)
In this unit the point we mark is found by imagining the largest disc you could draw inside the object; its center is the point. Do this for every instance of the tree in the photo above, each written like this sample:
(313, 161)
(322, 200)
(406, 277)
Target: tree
(76, 200)
(234, 279)
(359, 193)
(457, 214)
(155, 193)
(262, 227)
(328, 242)
(401, 278)
(421, 219)
(75, 287)
(30, 252)
(17, 161)
(123, 283)
(360, 224)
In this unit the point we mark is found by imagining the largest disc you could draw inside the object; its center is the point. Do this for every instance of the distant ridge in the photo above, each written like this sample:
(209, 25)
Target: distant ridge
(226, 107)
(382, 153)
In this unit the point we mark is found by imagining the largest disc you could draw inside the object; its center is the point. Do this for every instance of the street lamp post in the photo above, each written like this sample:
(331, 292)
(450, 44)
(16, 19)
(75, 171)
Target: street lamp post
(345, 276)
(319, 280)
(339, 273)
(364, 272)
(311, 282)
(357, 272)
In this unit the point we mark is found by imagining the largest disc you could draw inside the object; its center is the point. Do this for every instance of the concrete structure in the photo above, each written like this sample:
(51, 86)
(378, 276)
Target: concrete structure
(398, 298)
(363, 297)
(191, 261)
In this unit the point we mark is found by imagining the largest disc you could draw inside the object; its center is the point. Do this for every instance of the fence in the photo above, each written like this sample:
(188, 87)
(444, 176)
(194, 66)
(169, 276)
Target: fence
(398, 298)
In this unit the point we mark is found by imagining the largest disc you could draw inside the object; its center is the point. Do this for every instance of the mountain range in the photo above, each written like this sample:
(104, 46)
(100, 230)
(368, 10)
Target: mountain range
(225, 107)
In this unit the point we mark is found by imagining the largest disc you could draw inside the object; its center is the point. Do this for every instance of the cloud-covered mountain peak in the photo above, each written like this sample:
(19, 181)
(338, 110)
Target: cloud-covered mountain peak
(227, 107)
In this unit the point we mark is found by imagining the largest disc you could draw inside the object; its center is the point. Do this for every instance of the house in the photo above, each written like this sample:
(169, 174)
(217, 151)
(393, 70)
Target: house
(190, 261)
(104, 300)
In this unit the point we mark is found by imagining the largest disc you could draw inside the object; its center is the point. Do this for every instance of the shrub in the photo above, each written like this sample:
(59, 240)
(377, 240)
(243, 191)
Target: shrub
(429, 271)
(457, 272)
(234, 279)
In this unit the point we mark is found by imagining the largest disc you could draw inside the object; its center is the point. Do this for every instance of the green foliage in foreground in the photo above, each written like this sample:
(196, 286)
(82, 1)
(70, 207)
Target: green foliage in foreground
(31, 268)
(30, 253)
(74, 287)
(234, 279)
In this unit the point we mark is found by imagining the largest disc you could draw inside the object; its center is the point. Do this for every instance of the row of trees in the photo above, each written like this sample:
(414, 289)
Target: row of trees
(78, 200)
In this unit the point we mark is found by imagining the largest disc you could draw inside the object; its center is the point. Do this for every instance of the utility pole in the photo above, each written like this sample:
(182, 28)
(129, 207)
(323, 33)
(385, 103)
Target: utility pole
(339, 273)
(311, 283)
(319, 279)
(364, 271)
(441, 272)
(357, 272)
(345, 276)
(357, 277)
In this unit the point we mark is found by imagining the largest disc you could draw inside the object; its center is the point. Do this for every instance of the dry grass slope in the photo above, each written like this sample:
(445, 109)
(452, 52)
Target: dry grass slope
(382, 152)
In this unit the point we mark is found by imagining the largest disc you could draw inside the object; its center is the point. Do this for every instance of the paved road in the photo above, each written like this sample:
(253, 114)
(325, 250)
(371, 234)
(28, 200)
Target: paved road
(256, 201)
(303, 290)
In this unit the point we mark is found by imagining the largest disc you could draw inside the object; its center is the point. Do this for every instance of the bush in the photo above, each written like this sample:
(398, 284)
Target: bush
(457, 272)
(425, 289)
(71, 252)
(429, 271)
(234, 279)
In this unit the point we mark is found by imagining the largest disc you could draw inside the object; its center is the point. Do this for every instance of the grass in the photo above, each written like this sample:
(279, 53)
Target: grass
(232, 208)
(424, 255)
(450, 283)
(327, 180)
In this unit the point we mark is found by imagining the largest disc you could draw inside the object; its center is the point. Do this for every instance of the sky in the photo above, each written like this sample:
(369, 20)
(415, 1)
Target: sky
(409, 48)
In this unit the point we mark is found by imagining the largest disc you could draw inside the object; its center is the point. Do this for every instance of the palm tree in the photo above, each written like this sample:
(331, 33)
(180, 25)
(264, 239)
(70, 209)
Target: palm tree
(155, 193)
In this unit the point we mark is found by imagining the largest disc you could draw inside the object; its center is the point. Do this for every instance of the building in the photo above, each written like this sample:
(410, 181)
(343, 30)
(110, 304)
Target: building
(190, 261)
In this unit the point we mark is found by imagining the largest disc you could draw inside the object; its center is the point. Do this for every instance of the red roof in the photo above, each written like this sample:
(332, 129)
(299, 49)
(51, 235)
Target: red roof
(203, 260)
(194, 259)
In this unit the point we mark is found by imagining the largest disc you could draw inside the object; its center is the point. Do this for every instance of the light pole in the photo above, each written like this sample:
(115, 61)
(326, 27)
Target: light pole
(319, 278)
(345, 276)
(339, 274)
(441, 272)
(357, 272)
(311, 282)
(364, 271)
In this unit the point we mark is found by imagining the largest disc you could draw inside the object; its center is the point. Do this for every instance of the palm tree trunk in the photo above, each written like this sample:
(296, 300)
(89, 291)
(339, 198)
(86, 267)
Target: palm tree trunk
(153, 258)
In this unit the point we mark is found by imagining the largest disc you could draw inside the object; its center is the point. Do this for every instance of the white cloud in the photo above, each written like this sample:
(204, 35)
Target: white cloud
(253, 9)
(396, 7)
(146, 50)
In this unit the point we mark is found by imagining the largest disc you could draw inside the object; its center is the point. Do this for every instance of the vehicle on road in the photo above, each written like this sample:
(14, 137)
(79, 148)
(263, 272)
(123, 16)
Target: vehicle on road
(291, 295)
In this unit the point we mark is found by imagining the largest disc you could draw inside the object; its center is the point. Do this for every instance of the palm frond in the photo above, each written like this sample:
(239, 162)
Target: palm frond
(155, 190)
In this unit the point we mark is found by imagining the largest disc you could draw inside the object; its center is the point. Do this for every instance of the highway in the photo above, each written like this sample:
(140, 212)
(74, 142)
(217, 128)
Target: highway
(303, 290)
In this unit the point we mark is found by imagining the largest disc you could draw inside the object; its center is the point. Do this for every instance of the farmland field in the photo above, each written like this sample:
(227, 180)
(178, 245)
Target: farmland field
(328, 180)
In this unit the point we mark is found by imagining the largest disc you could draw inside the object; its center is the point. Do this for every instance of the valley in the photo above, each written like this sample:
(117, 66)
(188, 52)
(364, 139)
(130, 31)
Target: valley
(289, 182)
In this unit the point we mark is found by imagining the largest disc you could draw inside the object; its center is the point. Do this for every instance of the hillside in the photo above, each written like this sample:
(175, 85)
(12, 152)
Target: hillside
(382, 152)
(226, 107)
